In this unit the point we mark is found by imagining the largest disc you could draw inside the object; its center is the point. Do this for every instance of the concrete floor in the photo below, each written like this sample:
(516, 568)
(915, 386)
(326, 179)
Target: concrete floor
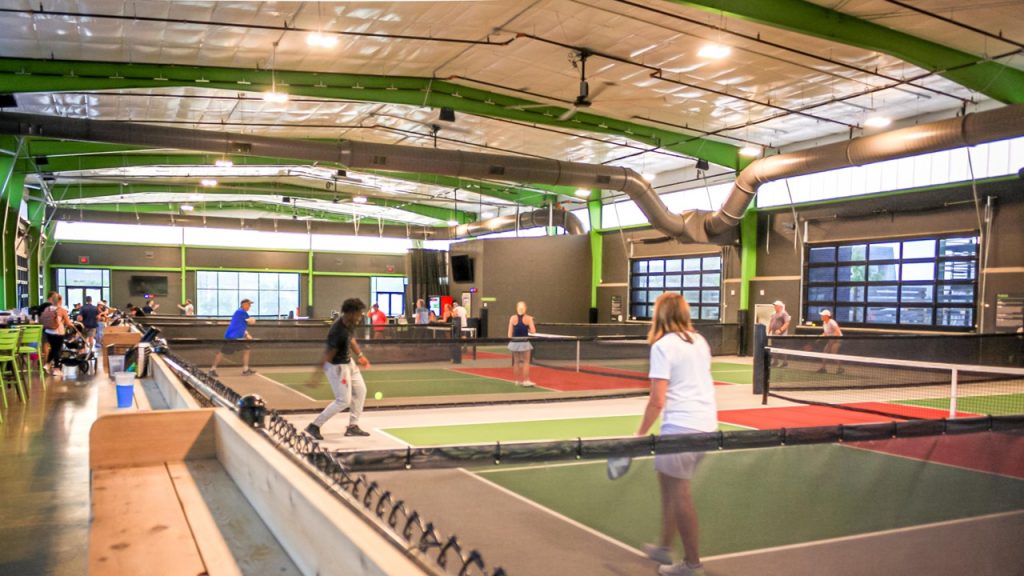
(44, 478)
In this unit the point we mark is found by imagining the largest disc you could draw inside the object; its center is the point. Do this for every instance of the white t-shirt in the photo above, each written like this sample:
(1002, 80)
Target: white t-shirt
(460, 313)
(690, 400)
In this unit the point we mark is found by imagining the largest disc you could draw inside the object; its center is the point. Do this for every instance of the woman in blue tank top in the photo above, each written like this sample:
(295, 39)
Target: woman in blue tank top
(520, 326)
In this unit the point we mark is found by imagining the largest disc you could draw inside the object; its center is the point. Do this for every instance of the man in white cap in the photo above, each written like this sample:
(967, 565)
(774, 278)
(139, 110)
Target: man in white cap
(830, 330)
(778, 325)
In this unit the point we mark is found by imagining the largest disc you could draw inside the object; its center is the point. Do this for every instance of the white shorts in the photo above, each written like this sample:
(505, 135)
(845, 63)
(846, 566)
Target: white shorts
(681, 465)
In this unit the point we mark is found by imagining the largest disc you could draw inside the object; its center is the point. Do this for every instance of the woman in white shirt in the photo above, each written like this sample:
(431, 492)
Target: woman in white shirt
(683, 394)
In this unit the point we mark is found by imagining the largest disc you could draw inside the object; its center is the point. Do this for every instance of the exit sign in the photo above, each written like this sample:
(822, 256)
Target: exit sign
(83, 259)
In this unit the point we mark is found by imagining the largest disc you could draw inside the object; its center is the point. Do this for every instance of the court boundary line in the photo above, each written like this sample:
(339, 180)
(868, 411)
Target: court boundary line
(382, 432)
(851, 446)
(528, 420)
(863, 536)
(554, 514)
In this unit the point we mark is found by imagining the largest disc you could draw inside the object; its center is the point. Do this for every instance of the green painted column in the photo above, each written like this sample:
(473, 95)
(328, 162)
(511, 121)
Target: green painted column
(12, 193)
(36, 215)
(184, 272)
(596, 247)
(748, 256)
(309, 282)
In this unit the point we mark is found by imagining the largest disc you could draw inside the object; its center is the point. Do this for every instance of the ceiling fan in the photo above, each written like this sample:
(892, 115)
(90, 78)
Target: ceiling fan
(585, 97)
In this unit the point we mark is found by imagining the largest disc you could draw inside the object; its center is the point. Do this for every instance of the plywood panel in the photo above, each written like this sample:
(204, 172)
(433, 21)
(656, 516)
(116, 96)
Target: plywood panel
(149, 438)
(138, 526)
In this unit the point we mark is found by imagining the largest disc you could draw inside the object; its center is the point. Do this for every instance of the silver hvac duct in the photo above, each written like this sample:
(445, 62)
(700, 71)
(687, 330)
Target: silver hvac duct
(967, 130)
(697, 226)
(533, 219)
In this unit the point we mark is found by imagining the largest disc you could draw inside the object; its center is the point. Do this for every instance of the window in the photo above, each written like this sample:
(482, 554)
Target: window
(74, 284)
(272, 293)
(21, 287)
(921, 282)
(389, 293)
(698, 279)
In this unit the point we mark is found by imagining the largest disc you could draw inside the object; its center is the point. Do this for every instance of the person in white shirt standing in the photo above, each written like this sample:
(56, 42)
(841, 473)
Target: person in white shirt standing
(683, 394)
(778, 325)
(830, 329)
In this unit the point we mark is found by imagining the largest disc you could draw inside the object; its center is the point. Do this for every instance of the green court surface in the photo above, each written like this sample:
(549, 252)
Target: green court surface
(728, 372)
(754, 499)
(405, 383)
(536, 430)
(995, 405)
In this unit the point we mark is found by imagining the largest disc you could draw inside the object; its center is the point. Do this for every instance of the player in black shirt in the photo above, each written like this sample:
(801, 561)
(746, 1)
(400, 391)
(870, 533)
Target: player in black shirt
(342, 370)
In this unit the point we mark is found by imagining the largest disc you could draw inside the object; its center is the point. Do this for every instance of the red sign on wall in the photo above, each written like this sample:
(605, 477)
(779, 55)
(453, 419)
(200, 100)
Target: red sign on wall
(391, 267)
(83, 259)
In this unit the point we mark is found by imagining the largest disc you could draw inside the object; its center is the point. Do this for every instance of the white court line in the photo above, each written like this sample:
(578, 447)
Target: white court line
(526, 421)
(863, 536)
(382, 432)
(288, 388)
(915, 459)
(561, 517)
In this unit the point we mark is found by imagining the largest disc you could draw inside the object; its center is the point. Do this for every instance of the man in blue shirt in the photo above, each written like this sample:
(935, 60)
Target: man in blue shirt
(89, 316)
(236, 338)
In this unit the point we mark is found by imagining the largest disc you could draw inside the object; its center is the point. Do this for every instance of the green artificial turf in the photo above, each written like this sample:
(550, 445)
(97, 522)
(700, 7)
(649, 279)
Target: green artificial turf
(996, 405)
(405, 383)
(563, 429)
(754, 499)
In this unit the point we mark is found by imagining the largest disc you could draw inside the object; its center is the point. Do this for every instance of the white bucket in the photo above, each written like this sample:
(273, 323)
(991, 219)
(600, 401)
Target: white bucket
(70, 371)
(116, 363)
(124, 378)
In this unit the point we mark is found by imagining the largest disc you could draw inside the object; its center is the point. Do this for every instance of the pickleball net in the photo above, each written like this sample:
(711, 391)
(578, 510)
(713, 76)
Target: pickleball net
(907, 389)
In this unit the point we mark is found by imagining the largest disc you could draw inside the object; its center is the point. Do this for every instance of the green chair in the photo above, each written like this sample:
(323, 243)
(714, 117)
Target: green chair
(32, 343)
(9, 355)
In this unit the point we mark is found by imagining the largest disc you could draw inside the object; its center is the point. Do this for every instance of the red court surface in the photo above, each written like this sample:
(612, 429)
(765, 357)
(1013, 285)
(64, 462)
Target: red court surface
(800, 416)
(481, 355)
(992, 452)
(562, 380)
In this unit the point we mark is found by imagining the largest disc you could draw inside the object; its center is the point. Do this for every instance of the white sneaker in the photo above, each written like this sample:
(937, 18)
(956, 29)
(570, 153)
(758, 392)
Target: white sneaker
(681, 569)
(528, 384)
(659, 554)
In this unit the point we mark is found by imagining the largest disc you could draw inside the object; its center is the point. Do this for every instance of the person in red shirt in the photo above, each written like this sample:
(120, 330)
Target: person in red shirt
(379, 320)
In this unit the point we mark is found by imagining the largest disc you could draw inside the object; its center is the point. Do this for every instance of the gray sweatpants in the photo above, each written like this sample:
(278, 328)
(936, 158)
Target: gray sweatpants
(349, 390)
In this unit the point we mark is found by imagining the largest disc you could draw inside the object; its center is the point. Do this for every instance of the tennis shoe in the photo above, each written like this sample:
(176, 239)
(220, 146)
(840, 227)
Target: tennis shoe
(314, 431)
(355, 430)
(659, 554)
(528, 384)
(213, 373)
(681, 569)
(248, 372)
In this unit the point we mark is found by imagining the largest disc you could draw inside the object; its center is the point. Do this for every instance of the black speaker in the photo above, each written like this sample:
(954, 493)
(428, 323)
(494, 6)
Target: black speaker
(703, 165)
(447, 115)
(8, 101)
(592, 316)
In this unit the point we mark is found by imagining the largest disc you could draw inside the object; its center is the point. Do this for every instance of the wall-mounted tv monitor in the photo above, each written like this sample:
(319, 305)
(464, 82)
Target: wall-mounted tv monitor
(148, 286)
(462, 268)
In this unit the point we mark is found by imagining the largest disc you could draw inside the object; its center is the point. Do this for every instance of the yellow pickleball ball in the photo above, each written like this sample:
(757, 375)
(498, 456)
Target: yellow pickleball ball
(378, 396)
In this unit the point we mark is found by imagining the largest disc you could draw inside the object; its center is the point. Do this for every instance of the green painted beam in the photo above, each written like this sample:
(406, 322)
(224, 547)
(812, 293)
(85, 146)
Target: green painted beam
(27, 75)
(748, 256)
(163, 208)
(75, 157)
(73, 192)
(996, 80)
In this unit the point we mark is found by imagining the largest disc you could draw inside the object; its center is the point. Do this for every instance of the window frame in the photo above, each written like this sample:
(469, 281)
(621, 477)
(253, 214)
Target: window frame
(901, 303)
(254, 293)
(641, 281)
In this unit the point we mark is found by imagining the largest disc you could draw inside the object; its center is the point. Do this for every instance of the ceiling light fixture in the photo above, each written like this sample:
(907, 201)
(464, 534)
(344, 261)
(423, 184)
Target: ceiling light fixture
(208, 182)
(714, 51)
(318, 39)
(649, 176)
(187, 207)
(453, 222)
(877, 122)
(321, 40)
(223, 163)
(582, 193)
(359, 199)
(274, 97)
(750, 151)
